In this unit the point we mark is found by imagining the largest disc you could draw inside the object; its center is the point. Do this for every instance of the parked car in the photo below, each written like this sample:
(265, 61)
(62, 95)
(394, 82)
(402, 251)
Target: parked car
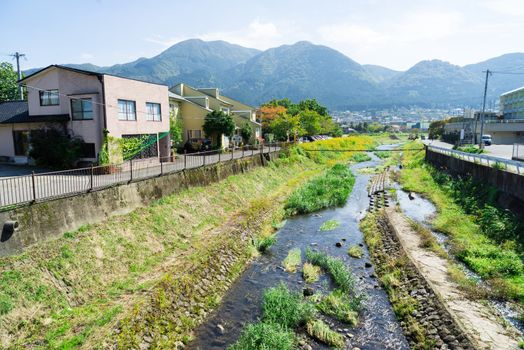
(197, 145)
(486, 139)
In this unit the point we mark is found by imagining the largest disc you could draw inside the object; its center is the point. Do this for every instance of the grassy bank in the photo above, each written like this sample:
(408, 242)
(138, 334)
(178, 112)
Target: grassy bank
(61, 293)
(482, 235)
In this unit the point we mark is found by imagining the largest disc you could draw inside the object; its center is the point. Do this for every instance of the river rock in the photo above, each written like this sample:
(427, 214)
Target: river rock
(368, 264)
(338, 244)
(220, 329)
(308, 291)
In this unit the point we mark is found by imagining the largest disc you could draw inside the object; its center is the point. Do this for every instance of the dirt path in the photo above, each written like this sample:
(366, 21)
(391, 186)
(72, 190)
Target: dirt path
(477, 320)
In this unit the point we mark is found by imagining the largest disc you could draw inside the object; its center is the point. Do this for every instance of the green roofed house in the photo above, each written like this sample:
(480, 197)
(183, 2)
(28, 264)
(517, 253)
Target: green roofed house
(84, 104)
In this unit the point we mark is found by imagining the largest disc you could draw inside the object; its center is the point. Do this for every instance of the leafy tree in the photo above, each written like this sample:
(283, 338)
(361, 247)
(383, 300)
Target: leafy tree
(246, 132)
(267, 113)
(8, 82)
(216, 124)
(313, 105)
(436, 129)
(287, 126)
(175, 128)
(375, 127)
(311, 122)
(52, 148)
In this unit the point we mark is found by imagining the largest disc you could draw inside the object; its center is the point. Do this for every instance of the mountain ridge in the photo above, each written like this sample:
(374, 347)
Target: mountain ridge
(306, 70)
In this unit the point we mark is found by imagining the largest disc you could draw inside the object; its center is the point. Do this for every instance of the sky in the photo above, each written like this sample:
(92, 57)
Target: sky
(393, 33)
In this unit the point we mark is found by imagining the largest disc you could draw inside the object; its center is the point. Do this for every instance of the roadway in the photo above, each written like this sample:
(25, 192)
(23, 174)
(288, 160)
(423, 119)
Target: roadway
(499, 151)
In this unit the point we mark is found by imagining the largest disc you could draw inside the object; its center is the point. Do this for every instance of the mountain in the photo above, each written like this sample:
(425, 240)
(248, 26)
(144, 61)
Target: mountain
(305, 70)
(500, 81)
(300, 71)
(434, 83)
(379, 73)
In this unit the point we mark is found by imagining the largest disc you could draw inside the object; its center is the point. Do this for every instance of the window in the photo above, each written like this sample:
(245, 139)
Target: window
(126, 110)
(87, 150)
(21, 142)
(225, 110)
(49, 98)
(82, 109)
(194, 134)
(153, 111)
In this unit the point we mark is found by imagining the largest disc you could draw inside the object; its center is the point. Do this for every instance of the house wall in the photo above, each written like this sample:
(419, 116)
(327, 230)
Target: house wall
(141, 92)
(192, 116)
(70, 85)
(501, 133)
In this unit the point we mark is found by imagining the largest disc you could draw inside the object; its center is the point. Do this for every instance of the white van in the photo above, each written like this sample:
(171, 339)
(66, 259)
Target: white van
(486, 139)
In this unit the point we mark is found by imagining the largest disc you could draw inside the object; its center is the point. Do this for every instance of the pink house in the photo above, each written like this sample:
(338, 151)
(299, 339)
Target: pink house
(84, 104)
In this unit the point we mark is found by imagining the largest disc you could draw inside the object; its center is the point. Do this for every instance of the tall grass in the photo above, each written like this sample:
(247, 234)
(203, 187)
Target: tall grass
(335, 267)
(356, 143)
(328, 190)
(321, 331)
(338, 304)
(292, 260)
(483, 236)
(265, 336)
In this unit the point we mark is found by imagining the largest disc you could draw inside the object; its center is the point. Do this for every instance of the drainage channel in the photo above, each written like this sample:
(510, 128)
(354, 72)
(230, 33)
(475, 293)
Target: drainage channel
(378, 327)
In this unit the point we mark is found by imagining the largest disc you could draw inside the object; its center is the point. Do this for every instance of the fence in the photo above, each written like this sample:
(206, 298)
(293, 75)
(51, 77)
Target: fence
(19, 190)
(518, 152)
(482, 159)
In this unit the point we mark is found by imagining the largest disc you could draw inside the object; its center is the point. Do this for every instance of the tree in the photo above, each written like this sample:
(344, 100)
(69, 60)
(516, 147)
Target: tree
(8, 82)
(246, 132)
(216, 124)
(175, 128)
(286, 126)
(311, 122)
(313, 105)
(267, 113)
(436, 129)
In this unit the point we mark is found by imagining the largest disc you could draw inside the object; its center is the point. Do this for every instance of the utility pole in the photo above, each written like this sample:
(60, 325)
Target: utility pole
(17, 55)
(481, 145)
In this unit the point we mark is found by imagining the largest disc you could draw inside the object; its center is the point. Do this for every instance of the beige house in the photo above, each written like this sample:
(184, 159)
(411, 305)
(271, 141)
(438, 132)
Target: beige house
(193, 104)
(84, 104)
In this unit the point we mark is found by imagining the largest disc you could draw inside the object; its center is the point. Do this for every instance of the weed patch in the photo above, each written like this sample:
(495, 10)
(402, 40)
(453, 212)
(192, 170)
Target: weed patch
(292, 260)
(321, 331)
(265, 336)
(310, 272)
(337, 304)
(355, 252)
(328, 190)
(329, 225)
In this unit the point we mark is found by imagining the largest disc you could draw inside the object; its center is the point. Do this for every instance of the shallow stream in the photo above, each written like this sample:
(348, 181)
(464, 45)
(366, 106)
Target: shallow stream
(378, 327)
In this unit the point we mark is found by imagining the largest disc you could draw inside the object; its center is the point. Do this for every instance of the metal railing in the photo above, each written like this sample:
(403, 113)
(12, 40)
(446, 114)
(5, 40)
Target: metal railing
(508, 165)
(20, 190)
(518, 152)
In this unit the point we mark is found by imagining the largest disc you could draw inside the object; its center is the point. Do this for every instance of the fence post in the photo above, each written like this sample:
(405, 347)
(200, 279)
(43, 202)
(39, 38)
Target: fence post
(232, 153)
(92, 177)
(262, 149)
(185, 160)
(131, 170)
(161, 167)
(34, 185)
(219, 155)
(252, 150)
(242, 151)
(204, 161)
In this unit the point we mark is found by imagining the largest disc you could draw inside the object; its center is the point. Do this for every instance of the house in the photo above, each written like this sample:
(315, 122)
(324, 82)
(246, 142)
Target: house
(193, 104)
(86, 105)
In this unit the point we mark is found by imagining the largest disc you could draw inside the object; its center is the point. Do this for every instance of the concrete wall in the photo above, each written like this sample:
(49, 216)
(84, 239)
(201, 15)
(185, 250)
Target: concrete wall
(512, 185)
(43, 221)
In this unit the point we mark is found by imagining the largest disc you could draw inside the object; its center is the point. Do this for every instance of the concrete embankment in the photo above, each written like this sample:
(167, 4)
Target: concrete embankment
(444, 315)
(41, 221)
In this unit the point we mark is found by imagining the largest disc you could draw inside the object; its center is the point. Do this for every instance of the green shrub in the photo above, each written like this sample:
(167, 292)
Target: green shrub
(52, 148)
(310, 272)
(360, 157)
(265, 336)
(286, 308)
(330, 189)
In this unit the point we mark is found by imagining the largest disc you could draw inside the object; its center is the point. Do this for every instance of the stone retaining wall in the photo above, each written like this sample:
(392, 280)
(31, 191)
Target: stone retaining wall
(41, 221)
(430, 313)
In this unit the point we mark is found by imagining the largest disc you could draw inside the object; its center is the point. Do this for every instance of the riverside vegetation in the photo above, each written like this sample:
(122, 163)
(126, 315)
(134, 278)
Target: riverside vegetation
(76, 290)
(485, 237)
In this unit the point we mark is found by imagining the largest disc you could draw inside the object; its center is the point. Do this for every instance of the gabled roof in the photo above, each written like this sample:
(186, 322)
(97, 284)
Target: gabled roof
(12, 112)
(85, 72)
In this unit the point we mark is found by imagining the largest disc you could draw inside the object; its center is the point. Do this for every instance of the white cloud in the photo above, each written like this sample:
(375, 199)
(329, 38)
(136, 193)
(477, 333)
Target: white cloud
(351, 33)
(261, 35)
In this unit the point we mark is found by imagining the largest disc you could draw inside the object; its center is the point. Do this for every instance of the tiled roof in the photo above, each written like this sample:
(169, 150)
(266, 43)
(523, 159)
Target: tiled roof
(17, 112)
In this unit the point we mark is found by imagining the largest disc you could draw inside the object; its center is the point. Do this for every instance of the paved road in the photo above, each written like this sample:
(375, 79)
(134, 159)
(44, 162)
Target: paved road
(500, 151)
(22, 189)
(7, 170)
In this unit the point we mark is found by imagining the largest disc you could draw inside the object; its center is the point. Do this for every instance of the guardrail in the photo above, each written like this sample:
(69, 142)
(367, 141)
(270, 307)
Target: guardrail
(518, 152)
(513, 166)
(41, 187)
